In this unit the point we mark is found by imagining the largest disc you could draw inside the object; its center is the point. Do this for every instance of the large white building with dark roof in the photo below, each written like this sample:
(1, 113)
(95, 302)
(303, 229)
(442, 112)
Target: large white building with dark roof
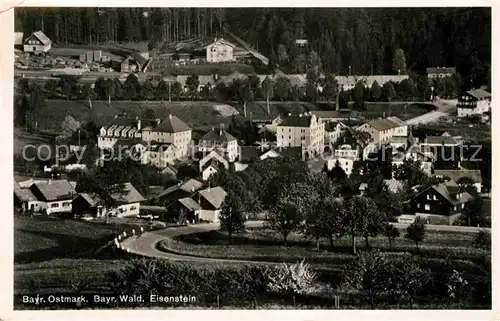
(221, 141)
(382, 131)
(304, 130)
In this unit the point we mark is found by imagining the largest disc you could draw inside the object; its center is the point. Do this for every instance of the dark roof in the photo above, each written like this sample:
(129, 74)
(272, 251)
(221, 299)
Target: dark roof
(214, 195)
(131, 196)
(441, 70)
(172, 125)
(479, 93)
(218, 135)
(330, 127)
(384, 124)
(24, 194)
(91, 198)
(249, 152)
(449, 190)
(55, 190)
(213, 163)
(40, 36)
(457, 174)
(296, 121)
(191, 185)
(190, 204)
(327, 113)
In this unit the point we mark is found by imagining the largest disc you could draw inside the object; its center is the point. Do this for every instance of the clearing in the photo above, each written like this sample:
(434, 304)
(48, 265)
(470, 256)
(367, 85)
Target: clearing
(402, 110)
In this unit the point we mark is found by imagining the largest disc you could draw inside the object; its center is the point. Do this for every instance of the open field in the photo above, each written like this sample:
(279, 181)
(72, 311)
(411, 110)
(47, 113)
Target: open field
(22, 139)
(194, 114)
(461, 127)
(261, 244)
(44, 238)
(207, 69)
(376, 110)
(257, 110)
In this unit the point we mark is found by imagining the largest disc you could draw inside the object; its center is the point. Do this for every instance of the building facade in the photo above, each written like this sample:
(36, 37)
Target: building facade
(37, 43)
(303, 131)
(474, 102)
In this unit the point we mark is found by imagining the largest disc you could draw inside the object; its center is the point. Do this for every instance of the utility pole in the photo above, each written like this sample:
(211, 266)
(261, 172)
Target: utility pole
(169, 92)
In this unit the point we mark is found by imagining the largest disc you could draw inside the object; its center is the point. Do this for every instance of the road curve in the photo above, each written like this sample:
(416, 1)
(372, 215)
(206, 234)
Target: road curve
(145, 245)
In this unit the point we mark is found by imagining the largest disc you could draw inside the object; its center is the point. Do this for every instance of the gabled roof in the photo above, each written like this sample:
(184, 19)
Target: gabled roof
(172, 124)
(40, 36)
(457, 174)
(396, 120)
(214, 195)
(384, 124)
(190, 204)
(91, 198)
(190, 186)
(131, 196)
(24, 195)
(218, 135)
(479, 93)
(54, 190)
(394, 185)
(448, 191)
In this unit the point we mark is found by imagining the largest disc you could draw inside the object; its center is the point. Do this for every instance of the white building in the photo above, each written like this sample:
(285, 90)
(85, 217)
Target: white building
(440, 72)
(382, 131)
(220, 140)
(345, 156)
(210, 200)
(302, 130)
(172, 130)
(220, 50)
(127, 204)
(333, 132)
(474, 102)
(52, 196)
(37, 43)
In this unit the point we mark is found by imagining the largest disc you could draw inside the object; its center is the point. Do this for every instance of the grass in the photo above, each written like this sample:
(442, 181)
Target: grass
(261, 244)
(209, 69)
(257, 110)
(194, 114)
(376, 110)
(44, 238)
(461, 127)
(23, 139)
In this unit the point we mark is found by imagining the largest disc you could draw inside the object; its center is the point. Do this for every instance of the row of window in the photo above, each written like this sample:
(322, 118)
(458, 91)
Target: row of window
(427, 207)
(56, 205)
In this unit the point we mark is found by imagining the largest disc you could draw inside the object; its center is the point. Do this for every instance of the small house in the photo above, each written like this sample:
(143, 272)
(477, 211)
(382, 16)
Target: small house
(178, 191)
(37, 43)
(440, 72)
(210, 201)
(88, 205)
(54, 196)
(127, 204)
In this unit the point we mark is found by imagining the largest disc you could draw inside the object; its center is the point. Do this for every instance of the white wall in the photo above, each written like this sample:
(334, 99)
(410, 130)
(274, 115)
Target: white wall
(208, 215)
(58, 206)
(131, 209)
(219, 52)
(37, 48)
(209, 171)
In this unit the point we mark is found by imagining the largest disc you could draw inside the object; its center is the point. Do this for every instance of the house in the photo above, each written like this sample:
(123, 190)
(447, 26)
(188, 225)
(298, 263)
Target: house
(127, 204)
(219, 139)
(382, 131)
(210, 201)
(303, 130)
(37, 43)
(120, 128)
(333, 132)
(347, 83)
(54, 196)
(211, 50)
(474, 102)
(161, 155)
(415, 153)
(172, 130)
(301, 42)
(436, 141)
(461, 176)
(185, 210)
(440, 204)
(214, 155)
(178, 191)
(440, 72)
(344, 156)
(209, 169)
(249, 154)
(88, 205)
(24, 198)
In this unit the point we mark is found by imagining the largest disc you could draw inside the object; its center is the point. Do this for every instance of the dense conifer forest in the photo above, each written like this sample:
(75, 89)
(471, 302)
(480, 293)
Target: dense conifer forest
(359, 40)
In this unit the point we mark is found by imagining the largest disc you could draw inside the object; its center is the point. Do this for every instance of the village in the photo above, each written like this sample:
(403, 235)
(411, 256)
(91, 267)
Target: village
(206, 150)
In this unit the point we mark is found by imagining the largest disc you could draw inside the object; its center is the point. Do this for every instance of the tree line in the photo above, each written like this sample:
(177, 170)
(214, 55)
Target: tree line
(347, 40)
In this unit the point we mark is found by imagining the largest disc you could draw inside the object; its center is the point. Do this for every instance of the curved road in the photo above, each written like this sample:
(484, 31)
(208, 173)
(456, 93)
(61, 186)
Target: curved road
(145, 245)
(443, 108)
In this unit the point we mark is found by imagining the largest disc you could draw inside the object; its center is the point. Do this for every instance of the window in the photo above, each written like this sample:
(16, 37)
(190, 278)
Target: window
(133, 207)
(289, 137)
(418, 205)
(428, 197)
(427, 207)
(65, 204)
(463, 205)
(55, 205)
(434, 197)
